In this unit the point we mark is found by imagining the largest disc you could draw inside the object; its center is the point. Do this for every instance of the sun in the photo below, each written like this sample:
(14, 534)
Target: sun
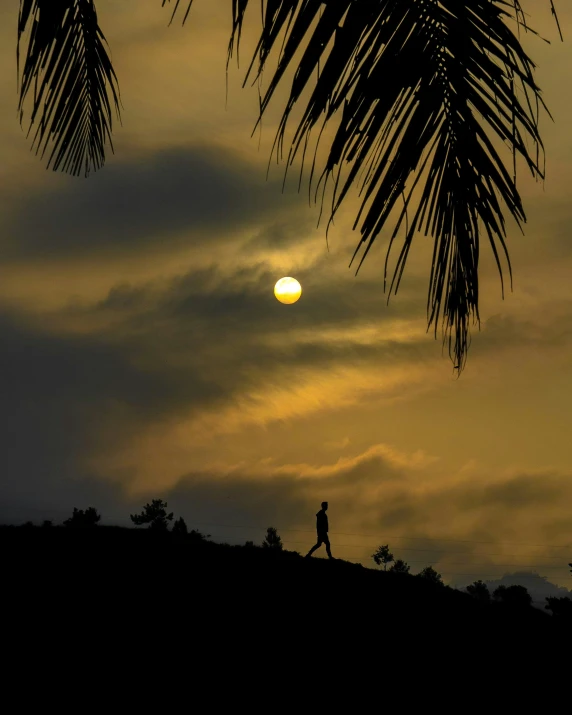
(287, 290)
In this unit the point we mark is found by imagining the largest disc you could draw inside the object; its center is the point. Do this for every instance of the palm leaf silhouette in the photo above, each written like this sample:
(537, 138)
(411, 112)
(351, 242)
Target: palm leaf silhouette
(66, 50)
(426, 92)
(426, 89)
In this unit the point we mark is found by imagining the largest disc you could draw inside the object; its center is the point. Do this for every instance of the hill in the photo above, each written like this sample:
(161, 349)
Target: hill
(100, 591)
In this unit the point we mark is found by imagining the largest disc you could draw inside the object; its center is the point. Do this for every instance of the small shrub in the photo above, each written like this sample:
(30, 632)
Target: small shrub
(429, 574)
(154, 514)
(81, 519)
(400, 566)
(560, 607)
(382, 556)
(180, 527)
(272, 540)
(513, 595)
(480, 591)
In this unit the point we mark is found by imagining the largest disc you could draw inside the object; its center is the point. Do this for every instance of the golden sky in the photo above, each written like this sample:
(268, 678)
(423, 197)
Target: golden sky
(144, 354)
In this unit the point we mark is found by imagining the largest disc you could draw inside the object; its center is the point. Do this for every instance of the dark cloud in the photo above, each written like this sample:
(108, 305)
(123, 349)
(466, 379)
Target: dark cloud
(239, 499)
(243, 302)
(504, 331)
(56, 394)
(281, 236)
(520, 492)
(218, 503)
(65, 398)
(145, 203)
(53, 494)
(206, 336)
(211, 329)
(198, 342)
(44, 369)
(279, 497)
(202, 340)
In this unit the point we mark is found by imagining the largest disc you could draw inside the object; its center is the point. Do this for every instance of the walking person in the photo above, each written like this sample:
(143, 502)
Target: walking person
(322, 529)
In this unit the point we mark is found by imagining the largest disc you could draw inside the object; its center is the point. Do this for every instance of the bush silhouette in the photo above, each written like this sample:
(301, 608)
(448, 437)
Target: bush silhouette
(195, 535)
(154, 514)
(272, 540)
(480, 591)
(513, 595)
(81, 519)
(429, 574)
(383, 556)
(180, 527)
(560, 607)
(400, 567)
(46, 524)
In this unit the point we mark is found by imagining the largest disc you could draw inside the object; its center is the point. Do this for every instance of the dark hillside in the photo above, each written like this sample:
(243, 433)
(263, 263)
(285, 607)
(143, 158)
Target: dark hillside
(102, 591)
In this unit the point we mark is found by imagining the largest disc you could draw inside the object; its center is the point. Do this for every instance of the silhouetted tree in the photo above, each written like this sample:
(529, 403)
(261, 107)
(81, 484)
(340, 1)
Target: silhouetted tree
(429, 574)
(196, 535)
(480, 591)
(81, 519)
(382, 556)
(180, 527)
(46, 524)
(28, 525)
(560, 607)
(154, 514)
(249, 544)
(272, 540)
(461, 84)
(514, 595)
(400, 567)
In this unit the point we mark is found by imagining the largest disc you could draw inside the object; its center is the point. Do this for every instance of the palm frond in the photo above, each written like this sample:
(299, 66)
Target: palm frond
(555, 16)
(188, 8)
(66, 51)
(426, 91)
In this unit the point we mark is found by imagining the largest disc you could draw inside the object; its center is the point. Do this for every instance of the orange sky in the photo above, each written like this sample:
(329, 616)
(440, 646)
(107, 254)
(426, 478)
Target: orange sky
(144, 354)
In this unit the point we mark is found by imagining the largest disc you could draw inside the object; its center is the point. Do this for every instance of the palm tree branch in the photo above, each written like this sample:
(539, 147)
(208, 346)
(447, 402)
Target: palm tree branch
(388, 61)
(393, 69)
(66, 51)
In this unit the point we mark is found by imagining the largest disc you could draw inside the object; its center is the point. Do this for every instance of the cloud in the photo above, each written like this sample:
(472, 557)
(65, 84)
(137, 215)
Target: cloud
(285, 492)
(114, 414)
(339, 444)
(406, 499)
(179, 195)
(520, 492)
(66, 398)
(148, 374)
(93, 389)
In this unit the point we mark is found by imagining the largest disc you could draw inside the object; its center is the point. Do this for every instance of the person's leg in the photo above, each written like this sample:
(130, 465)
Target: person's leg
(327, 542)
(316, 546)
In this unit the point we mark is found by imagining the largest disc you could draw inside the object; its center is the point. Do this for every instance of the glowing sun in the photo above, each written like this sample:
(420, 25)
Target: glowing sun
(287, 290)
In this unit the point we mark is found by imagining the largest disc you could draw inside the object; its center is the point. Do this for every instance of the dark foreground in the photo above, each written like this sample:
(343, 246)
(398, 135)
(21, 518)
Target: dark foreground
(125, 609)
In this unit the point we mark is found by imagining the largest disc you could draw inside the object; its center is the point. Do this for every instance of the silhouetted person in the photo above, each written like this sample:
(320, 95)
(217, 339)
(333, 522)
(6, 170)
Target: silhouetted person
(322, 529)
